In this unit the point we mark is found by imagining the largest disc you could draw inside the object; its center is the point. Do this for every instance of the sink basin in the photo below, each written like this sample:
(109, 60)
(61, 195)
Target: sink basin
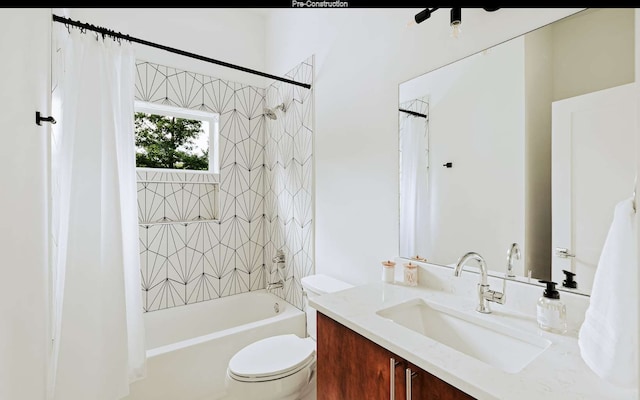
(500, 346)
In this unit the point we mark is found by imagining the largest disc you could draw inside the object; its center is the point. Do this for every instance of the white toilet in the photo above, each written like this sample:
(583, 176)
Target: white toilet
(281, 367)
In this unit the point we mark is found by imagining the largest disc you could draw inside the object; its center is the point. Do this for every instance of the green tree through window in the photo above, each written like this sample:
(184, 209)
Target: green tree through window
(169, 142)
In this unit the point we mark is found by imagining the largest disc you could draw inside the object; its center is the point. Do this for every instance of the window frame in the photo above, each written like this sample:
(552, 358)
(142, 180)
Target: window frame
(186, 113)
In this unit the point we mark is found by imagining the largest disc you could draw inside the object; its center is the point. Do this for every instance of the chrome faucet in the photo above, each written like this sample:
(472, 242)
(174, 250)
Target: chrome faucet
(275, 285)
(485, 295)
(278, 259)
(513, 250)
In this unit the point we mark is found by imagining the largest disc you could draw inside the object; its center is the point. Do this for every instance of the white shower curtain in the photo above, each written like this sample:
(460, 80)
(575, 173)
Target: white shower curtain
(98, 332)
(414, 187)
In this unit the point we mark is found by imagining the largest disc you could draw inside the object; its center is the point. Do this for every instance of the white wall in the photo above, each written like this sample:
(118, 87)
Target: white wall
(235, 36)
(361, 56)
(24, 80)
(590, 55)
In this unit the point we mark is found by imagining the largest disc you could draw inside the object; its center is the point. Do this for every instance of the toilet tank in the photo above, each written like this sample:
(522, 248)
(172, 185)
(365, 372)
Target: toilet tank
(317, 285)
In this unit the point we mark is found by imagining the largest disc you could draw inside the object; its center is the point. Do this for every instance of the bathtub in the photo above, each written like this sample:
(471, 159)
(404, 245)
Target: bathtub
(189, 347)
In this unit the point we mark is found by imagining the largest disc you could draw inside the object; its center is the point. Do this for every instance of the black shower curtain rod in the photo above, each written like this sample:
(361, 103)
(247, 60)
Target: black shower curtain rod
(119, 35)
(417, 114)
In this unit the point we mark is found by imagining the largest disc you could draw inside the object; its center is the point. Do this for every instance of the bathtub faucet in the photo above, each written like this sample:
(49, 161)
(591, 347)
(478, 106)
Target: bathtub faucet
(275, 285)
(279, 261)
(279, 257)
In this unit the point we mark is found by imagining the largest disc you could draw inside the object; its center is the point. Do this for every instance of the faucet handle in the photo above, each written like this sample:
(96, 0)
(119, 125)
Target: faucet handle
(279, 257)
(494, 296)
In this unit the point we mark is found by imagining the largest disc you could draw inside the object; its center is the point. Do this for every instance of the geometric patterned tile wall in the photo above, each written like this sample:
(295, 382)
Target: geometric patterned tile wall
(176, 201)
(186, 257)
(289, 181)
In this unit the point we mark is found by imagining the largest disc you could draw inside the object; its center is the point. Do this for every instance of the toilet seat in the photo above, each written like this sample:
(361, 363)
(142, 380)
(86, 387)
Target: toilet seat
(272, 358)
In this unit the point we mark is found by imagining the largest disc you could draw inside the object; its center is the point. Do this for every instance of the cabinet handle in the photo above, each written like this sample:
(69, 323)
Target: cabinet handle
(408, 376)
(392, 380)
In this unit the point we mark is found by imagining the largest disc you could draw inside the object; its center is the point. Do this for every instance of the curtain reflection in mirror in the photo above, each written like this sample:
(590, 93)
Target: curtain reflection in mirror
(414, 178)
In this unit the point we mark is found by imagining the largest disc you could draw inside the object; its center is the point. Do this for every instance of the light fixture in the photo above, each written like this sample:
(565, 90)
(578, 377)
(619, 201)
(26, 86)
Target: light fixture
(456, 18)
(424, 14)
(421, 16)
(456, 21)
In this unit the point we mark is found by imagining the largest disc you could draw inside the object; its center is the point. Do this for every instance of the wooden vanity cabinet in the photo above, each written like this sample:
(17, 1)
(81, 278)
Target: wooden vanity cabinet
(426, 386)
(352, 367)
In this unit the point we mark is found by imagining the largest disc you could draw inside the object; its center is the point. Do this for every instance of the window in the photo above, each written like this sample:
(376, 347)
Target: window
(175, 138)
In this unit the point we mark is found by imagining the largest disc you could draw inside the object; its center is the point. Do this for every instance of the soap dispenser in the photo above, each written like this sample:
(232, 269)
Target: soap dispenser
(568, 281)
(551, 312)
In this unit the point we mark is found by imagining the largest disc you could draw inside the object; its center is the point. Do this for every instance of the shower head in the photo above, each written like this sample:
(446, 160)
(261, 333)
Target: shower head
(271, 112)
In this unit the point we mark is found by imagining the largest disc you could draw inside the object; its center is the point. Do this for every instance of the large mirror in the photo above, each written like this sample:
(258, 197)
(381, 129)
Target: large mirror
(527, 142)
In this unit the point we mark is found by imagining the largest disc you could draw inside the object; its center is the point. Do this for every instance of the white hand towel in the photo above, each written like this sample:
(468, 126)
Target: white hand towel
(608, 337)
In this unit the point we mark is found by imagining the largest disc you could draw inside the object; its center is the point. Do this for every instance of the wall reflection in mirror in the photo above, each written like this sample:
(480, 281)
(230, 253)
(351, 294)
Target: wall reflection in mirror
(527, 142)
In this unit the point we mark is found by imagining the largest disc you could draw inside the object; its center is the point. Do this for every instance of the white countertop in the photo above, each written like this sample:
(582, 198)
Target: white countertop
(558, 373)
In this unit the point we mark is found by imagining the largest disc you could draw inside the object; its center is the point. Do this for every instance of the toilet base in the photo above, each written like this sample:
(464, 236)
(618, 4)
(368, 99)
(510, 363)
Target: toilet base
(310, 392)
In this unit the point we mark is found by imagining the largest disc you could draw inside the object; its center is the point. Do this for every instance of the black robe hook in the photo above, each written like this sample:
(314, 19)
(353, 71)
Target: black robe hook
(45, 119)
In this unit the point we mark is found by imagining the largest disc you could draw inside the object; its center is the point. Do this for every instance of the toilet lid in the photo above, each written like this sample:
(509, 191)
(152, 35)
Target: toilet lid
(322, 284)
(274, 356)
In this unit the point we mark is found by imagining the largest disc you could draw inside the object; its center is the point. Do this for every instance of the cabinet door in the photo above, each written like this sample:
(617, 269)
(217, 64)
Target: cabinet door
(351, 367)
(422, 385)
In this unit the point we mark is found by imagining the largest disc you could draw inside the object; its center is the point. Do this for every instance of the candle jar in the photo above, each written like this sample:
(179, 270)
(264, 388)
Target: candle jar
(411, 274)
(388, 271)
